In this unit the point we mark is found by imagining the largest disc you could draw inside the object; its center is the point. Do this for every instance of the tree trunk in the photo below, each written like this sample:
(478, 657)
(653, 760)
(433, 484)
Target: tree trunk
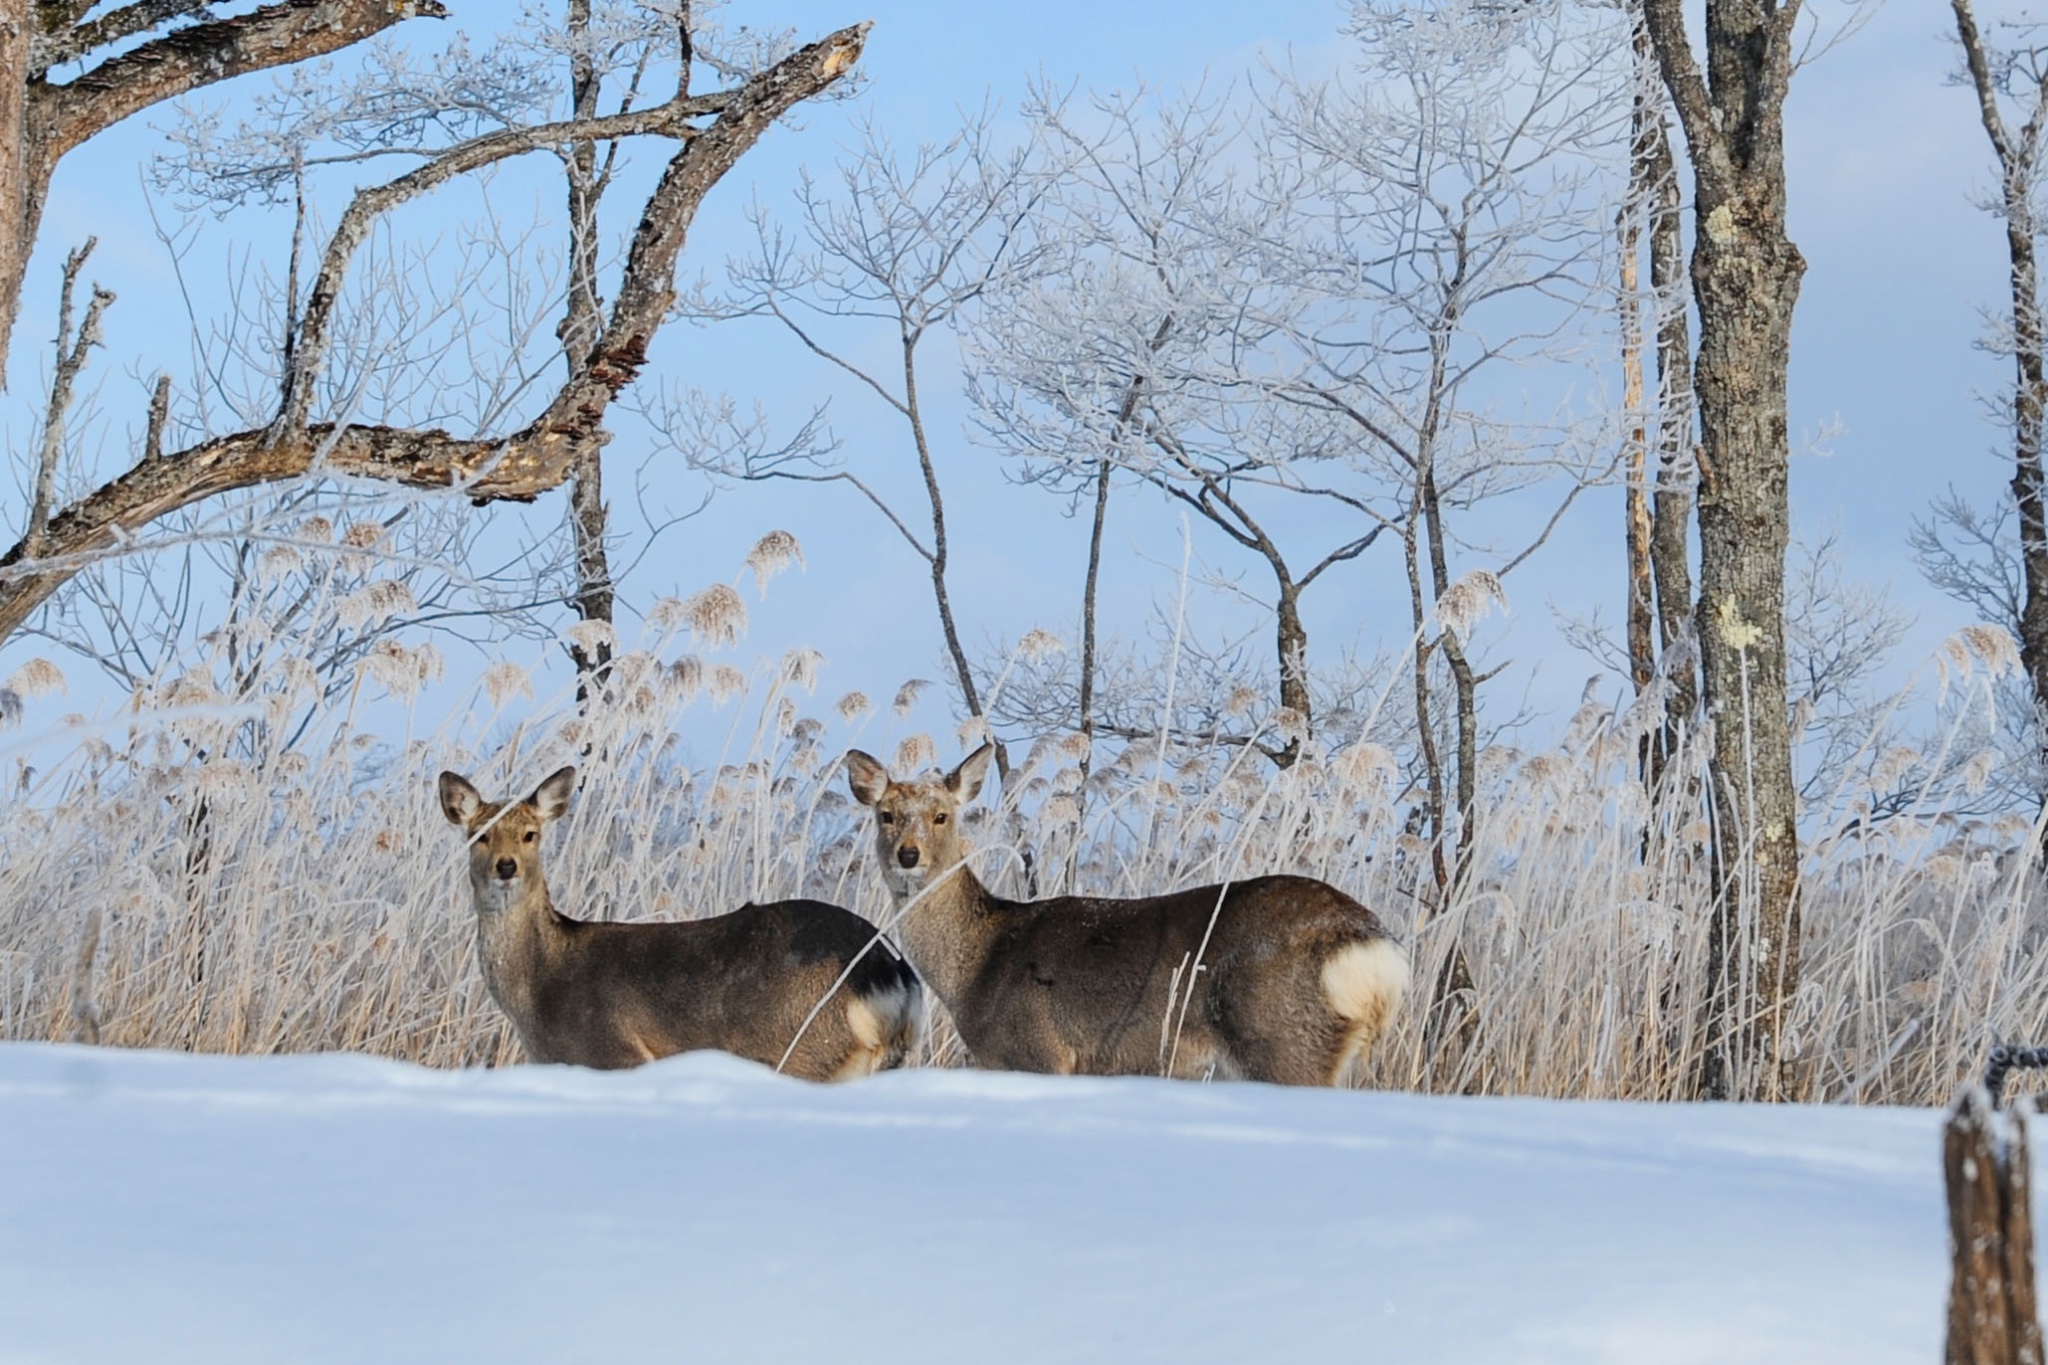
(1671, 515)
(1463, 684)
(1425, 729)
(962, 670)
(583, 318)
(1747, 280)
(24, 163)
(1992, 1314)
(1126, 412)
(1745, 273)
(1087, 700)
(1291, 641)
(2018, 164)
(1640, 628)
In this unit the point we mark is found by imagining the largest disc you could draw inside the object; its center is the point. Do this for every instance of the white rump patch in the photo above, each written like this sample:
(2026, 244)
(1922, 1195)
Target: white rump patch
(886, 1020)
(1365, 984)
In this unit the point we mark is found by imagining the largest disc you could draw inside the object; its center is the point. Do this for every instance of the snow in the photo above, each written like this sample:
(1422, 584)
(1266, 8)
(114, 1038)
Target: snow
(162, 1207)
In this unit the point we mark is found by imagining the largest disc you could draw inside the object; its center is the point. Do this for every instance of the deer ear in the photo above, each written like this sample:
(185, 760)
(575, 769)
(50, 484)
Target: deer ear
(551, 798)
(965, 781)
(866, 775)
(459, 800)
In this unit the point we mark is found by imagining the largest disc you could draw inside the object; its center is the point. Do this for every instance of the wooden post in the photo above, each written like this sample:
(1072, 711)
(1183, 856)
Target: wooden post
(1992, 1317)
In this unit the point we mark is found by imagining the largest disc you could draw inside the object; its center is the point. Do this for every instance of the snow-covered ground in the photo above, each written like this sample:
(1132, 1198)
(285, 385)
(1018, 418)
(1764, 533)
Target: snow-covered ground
(161, 1208)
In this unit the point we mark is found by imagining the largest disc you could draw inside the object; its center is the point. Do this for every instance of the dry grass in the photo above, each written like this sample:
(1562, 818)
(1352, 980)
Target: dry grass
(272, 901)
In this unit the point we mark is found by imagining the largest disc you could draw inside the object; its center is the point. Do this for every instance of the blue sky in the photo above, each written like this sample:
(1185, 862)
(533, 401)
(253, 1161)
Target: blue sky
(1885, 158)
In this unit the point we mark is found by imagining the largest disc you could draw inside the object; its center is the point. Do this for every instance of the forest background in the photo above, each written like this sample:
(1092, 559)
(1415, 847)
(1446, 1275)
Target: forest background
(1562, 923)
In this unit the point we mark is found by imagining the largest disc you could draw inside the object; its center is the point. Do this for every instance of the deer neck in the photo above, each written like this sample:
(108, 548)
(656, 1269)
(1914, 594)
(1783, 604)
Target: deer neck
(948, 932)
(514, 944)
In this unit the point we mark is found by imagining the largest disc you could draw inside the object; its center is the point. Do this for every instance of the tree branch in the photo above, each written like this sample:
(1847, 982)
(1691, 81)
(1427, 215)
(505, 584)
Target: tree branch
(1343, 553)
(309, 346)
(1981, 80)
(184, 61)
(1666, 21)
(71, 43)
(519, 467)
(71, 358)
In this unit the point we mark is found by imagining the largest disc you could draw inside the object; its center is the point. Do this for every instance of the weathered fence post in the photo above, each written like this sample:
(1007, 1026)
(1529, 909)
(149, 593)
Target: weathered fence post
(1992, 1317)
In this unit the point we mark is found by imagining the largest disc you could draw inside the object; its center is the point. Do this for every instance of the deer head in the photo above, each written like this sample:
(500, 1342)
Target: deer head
(504, 837)
(917, 822)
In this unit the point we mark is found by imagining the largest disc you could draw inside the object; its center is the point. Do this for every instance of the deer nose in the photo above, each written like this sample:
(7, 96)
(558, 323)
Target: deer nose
(907, 856)
(508, 868)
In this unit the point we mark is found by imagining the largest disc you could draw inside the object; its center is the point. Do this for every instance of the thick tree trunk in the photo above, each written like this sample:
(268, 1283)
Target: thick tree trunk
(1746, 274)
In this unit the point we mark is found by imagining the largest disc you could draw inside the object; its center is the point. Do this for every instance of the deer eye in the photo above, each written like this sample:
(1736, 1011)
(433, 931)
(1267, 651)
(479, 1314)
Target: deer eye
(886, 817)
(939, 819)
(526, 838)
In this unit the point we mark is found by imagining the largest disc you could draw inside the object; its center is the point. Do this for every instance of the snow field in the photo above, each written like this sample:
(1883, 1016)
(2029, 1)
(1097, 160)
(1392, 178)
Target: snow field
(164, 1207)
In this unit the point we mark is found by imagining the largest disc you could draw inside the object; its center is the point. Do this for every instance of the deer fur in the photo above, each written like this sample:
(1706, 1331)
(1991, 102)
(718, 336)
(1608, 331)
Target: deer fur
(1283, 979)
(616, 995)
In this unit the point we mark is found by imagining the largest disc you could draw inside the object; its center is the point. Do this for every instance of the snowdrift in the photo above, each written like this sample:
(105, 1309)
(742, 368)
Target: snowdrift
(164, 1208)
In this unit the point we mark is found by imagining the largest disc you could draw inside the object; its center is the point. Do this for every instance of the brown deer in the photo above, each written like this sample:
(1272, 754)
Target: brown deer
(1282, 979)
(616, 995)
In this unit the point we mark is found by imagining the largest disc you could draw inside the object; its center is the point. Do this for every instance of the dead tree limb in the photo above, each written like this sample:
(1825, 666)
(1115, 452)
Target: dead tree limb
(71, 356)
(519, 467)
(41, 119)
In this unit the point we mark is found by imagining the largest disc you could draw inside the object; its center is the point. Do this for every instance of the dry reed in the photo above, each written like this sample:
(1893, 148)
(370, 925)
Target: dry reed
(192, 888)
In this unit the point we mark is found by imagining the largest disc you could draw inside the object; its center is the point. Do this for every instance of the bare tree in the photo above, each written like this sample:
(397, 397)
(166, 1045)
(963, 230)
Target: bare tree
(1745, 274)
(311, 431)
(623, 48)
(1451, 214)
(1144, 348)
(1839, 635)
(2000, 78)
(902, 244)
(1973, 555)
(1108, 182)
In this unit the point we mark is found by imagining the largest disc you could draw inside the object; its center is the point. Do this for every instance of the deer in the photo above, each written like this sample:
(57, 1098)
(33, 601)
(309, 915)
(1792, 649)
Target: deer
(612, 995)
(1283, 979)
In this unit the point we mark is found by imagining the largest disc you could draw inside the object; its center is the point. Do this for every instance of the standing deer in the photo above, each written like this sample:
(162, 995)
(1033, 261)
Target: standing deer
(1280, 979)
(617, 995)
